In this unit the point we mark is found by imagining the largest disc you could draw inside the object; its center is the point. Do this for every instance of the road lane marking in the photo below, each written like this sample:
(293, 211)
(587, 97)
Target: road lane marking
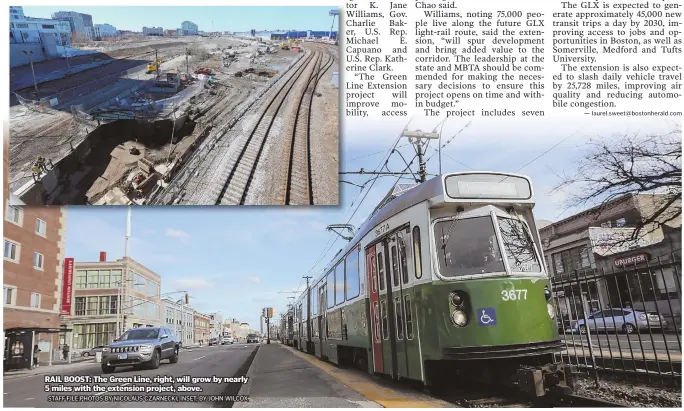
(29, 399)
(199, 358)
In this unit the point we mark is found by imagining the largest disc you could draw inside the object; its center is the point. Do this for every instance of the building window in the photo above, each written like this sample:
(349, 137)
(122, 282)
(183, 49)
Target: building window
(41, 227)
(22, 25)
(92, 306)
(80, 306)
(104, 279)
(93, 279)
(13, 214)
(574, 259)
(12, 251)
(35, 300)
(38, 261)
(48, 26)
(80, 279)
(93, 335)
(9, 294)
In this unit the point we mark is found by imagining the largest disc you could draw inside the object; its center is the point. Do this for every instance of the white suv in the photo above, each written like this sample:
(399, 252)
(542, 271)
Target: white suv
(228, 340)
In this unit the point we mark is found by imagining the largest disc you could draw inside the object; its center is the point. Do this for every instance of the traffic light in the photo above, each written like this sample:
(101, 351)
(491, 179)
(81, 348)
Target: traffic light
(269, 312)
(187, 299)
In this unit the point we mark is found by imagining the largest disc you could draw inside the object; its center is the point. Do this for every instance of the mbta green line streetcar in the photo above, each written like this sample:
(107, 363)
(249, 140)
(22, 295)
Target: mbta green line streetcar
(444, 279)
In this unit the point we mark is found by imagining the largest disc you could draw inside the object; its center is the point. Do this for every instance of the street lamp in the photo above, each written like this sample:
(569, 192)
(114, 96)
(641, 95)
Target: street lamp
(120, 321)
(35, 84)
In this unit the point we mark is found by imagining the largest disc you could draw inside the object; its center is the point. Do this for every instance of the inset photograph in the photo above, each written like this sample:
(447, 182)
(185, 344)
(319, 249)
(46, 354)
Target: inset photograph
(174, 105)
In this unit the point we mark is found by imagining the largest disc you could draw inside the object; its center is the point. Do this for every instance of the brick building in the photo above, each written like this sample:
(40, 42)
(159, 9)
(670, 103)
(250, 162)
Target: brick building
(33, 240)
(595, 264)
(98, 286)
(202, 329)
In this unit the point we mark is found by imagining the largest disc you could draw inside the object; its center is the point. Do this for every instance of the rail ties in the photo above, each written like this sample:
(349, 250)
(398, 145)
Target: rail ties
(299, 180)
(236, 186)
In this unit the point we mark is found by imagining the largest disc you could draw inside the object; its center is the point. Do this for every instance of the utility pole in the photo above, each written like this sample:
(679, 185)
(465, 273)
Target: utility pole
(156, 63)
(35, 84)
(418, 139)
(187, 63)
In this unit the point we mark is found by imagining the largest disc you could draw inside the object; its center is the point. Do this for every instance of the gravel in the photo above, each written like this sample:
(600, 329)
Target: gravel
(629, 394)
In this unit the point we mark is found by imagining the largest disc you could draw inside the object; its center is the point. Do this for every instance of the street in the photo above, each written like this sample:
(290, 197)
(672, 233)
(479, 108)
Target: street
(624, 341)
(219, 361)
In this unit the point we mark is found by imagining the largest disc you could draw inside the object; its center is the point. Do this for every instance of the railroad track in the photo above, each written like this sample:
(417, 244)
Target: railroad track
(245, 160)
(502, 397)
(298, 187)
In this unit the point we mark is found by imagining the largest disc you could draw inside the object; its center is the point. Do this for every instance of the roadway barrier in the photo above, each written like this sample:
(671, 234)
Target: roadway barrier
(625, 320)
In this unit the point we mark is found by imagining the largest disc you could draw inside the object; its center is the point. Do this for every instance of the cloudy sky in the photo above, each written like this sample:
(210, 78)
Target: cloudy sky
(237, 260)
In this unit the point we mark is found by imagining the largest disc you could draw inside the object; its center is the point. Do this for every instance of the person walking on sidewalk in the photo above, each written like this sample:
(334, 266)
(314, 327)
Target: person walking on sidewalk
(65, 351)
(36, 351)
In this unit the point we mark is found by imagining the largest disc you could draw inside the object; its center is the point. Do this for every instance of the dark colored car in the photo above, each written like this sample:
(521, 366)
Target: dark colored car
(252, 338)
(213, 341)
(141, 346)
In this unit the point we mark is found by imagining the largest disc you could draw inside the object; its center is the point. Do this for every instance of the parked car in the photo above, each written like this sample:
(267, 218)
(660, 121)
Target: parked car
(620, 319)
(91, 352)
(213, 341)
(252, 338)
(141, 346)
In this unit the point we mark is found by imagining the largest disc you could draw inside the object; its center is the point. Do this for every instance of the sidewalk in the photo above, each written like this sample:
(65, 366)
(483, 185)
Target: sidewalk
(280, 379)
(55, 368)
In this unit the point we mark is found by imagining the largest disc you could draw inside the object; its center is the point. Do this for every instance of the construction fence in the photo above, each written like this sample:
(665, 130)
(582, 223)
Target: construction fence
(624, 321)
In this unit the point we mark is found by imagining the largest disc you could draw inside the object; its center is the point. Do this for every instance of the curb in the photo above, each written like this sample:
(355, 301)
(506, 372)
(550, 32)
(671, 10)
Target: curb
(246, 388)
(49, 370)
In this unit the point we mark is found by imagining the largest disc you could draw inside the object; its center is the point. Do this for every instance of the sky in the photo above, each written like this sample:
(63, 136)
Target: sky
(208, 18)
(237, 260)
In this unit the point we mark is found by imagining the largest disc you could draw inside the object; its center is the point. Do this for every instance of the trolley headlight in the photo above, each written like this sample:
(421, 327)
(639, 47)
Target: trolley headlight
(547, 293)
(455, 299)
(551, 310)
(459, 318)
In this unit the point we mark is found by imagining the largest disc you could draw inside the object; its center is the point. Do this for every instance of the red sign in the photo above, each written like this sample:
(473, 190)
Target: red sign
(631, 260)
(67, 285)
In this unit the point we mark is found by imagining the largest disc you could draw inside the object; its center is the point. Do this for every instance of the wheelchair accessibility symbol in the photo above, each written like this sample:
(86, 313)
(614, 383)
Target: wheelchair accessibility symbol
(486, 316)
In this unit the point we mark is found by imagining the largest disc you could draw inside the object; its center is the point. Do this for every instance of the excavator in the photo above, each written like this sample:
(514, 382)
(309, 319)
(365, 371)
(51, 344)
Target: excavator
(151, 68)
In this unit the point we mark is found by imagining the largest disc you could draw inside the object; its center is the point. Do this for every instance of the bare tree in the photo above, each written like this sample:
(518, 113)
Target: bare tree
(628, 165)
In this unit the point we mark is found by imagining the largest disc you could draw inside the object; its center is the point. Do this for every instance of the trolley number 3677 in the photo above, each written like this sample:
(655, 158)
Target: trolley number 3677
(513, 295)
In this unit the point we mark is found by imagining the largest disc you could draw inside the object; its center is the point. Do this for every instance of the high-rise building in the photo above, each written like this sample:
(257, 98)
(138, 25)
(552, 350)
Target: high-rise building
(75, 20)
(16, 13)
(189, 28)
(105, 30)
(33, 240)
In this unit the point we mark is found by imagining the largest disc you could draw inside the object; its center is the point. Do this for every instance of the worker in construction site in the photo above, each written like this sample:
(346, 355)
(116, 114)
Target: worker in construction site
(39, 166)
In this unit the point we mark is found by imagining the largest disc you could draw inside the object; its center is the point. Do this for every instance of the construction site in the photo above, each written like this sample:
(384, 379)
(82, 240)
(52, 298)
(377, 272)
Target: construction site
(192, 120)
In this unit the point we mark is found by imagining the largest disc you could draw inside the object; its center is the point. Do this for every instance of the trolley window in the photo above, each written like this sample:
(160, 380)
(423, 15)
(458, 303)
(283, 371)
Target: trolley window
(352, 274)
(331, 289)
(376, 322)
(314, 300)
(381, 271)
(339, 283)
(409, 317)
(467, 246)
(399, 323)
(374, 275)
(417, 255)
(383, 314)
(518, 246)
(402, 260)
(395, 269)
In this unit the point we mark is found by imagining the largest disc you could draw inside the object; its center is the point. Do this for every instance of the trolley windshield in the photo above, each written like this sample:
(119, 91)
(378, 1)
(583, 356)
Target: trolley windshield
(470, 246)
(467, 247)
(518, 246)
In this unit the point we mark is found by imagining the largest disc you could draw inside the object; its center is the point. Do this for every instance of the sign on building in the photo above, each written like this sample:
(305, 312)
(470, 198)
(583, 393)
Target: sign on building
(67, 285)
(631, 260)
(609, 241)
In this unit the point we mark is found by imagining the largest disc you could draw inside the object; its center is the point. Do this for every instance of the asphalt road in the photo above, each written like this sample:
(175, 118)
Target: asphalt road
(219, 361)
(658, 344)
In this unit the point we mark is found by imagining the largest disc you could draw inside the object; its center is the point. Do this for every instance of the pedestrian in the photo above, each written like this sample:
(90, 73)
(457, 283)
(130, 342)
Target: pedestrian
(65, 351)
(36, 351)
